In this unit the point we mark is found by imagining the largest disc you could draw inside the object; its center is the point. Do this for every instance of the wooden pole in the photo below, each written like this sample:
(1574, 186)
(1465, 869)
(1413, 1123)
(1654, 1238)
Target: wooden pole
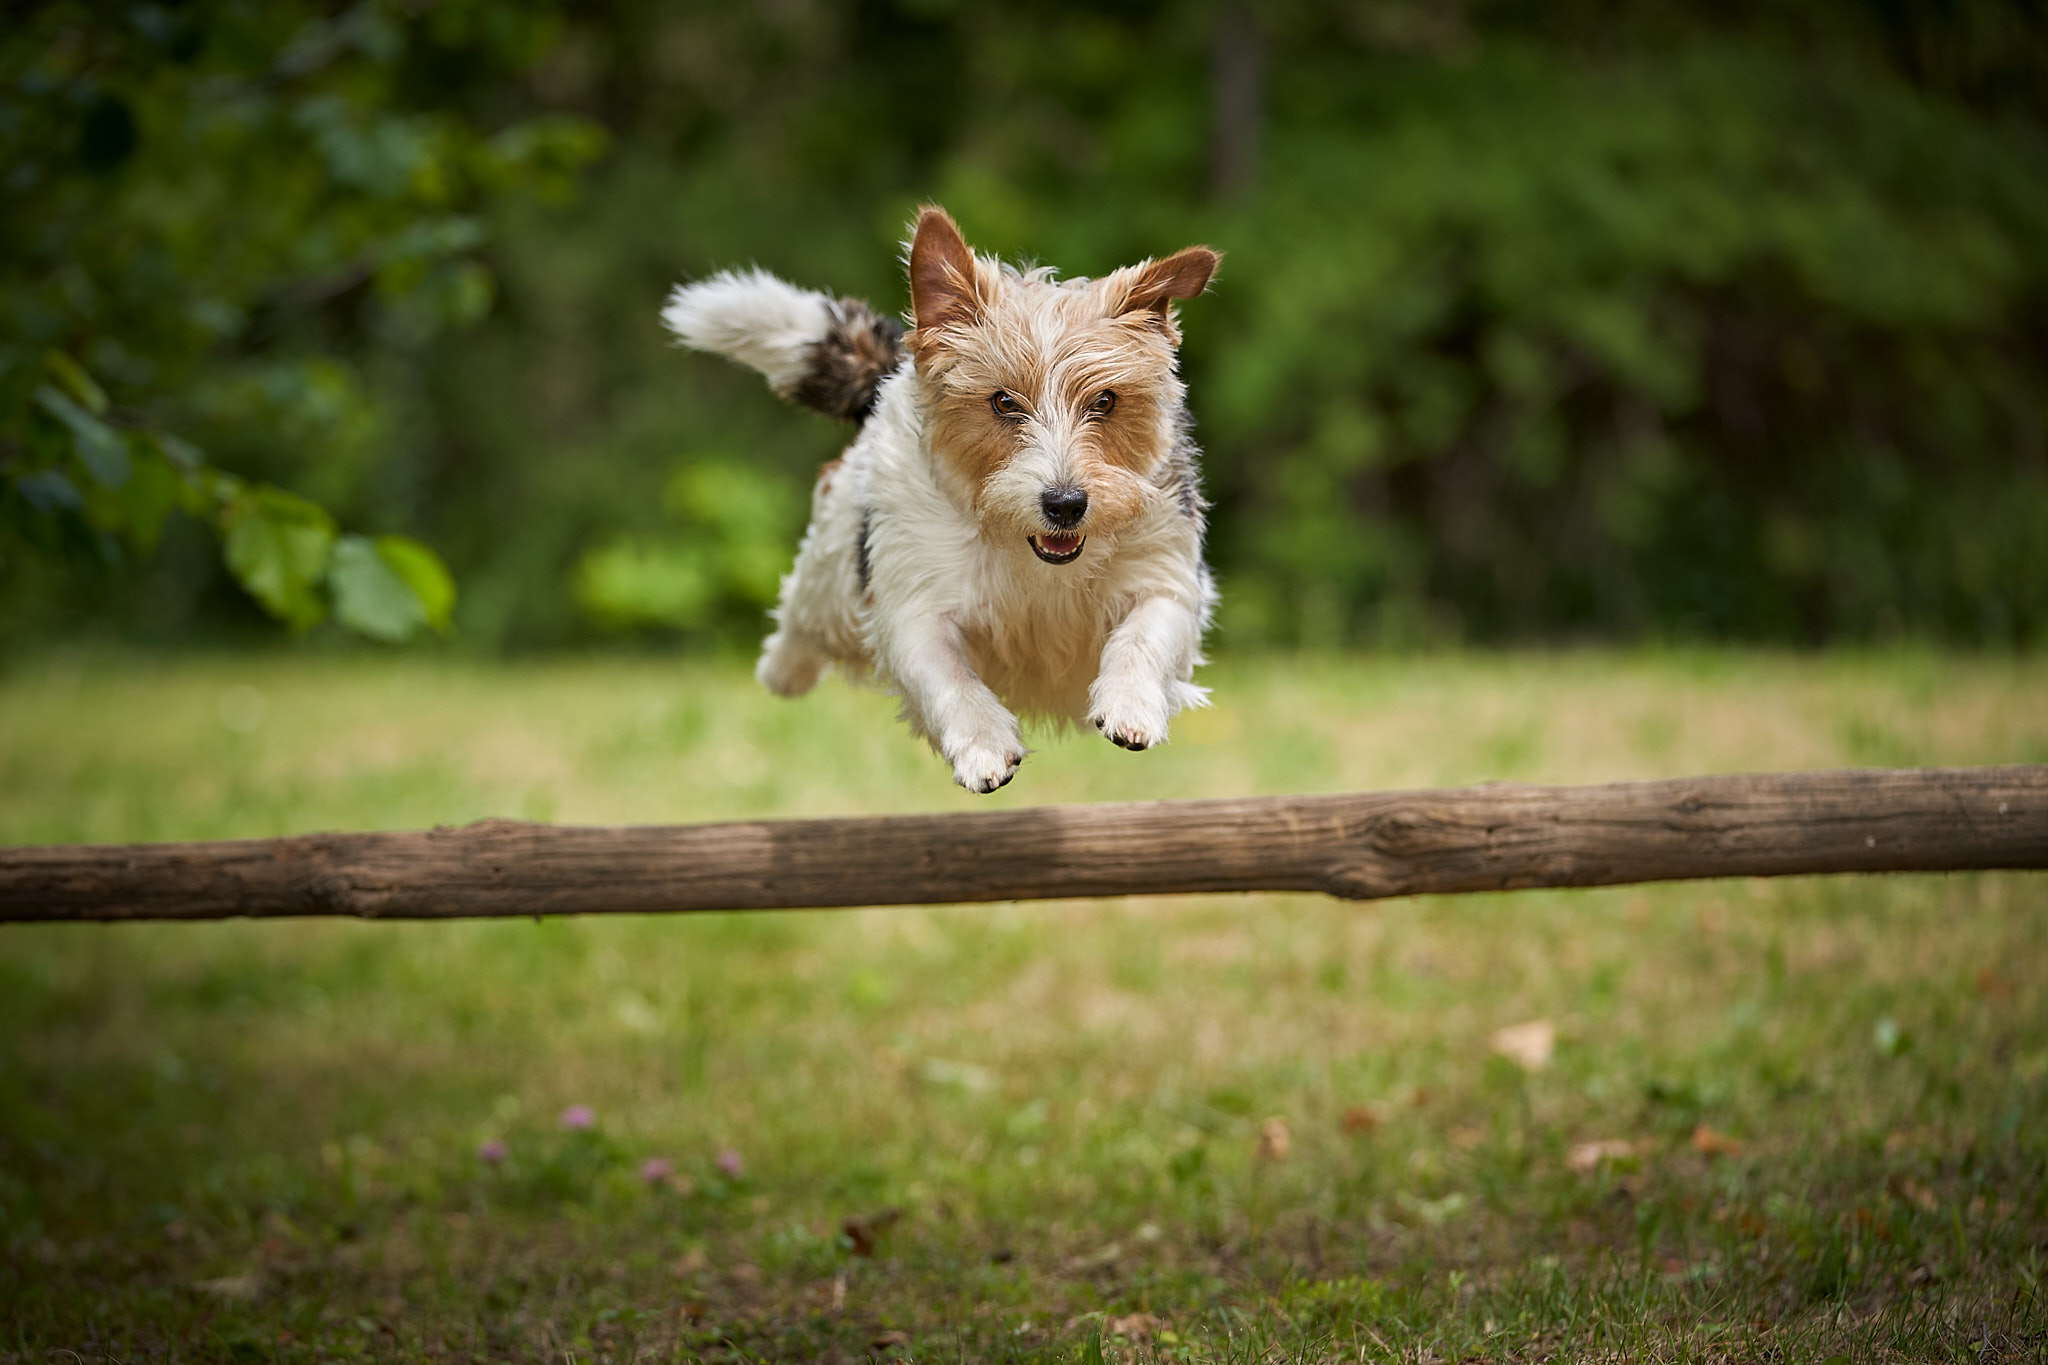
(1359, 846)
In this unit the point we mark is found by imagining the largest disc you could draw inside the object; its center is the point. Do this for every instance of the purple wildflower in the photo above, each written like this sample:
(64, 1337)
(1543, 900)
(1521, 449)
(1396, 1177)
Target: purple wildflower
(656, 1169)
(729, 1164)
(492, 1152)
(579, 1118)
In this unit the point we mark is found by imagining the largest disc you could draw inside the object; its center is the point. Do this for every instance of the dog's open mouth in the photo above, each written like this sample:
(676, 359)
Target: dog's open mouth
(1058, 549)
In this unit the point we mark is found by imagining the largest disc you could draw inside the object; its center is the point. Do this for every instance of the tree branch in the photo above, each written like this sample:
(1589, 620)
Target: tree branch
(1358, 846)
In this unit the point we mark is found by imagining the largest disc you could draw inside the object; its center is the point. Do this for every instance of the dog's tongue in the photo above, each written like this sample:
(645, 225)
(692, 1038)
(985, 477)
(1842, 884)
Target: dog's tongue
(1060, 545)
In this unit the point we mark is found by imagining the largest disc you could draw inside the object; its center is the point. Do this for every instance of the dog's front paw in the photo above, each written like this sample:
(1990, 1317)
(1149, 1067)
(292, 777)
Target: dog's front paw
(984, 763)
(1129, 717)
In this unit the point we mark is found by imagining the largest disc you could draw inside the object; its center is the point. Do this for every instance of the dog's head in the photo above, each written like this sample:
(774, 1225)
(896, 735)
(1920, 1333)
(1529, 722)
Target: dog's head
(1052, 404)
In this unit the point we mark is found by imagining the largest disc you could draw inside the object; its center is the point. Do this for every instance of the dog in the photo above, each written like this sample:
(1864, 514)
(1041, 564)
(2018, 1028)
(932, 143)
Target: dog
(1017, 527)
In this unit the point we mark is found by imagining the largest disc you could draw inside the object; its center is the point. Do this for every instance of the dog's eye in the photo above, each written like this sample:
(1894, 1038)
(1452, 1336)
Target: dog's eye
(1104, 404)
(1006, 404)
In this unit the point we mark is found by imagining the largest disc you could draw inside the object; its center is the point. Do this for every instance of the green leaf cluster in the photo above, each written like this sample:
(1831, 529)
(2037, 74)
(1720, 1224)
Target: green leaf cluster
(209, 207)
(80, 484)
(287, 553)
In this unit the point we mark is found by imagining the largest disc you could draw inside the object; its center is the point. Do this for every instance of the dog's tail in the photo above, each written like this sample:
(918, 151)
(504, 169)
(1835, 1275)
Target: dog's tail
(828, 354)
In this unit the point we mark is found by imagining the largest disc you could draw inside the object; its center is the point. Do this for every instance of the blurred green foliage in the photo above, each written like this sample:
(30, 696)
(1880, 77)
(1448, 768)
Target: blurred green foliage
(1678, 320)
(220, 218)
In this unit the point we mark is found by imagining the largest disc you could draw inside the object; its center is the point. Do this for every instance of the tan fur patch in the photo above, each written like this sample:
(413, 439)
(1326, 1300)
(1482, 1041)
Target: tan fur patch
(1133, 364)
(969, 437)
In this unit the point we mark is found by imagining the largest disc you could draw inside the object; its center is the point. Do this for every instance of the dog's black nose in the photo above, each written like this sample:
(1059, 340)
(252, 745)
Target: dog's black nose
(1064, 507)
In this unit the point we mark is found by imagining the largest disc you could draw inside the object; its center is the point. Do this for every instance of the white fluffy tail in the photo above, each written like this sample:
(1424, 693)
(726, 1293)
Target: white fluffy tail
(754, 318)
(825, 353)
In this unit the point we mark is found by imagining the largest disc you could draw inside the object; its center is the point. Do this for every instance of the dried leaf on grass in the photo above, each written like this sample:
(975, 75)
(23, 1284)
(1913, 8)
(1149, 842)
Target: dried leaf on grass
(1360, 1119)
(235, 1288)
(1432, 1212)
(1275, 1142)
(1132, 1326)
(865, 1231)
(1094, 1260)
(1528, 1045)
(1916, 1194)
(1995, 984)
(1135, 1326)
(1587, 1156)
(1707, 1142)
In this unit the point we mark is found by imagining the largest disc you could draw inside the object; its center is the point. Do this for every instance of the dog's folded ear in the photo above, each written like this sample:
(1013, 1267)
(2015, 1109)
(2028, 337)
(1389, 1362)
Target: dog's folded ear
(1154, 285)
(942, 274)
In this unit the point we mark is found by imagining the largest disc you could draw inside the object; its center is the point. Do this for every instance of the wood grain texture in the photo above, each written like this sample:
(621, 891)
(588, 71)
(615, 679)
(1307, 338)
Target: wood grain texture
(1359, 846)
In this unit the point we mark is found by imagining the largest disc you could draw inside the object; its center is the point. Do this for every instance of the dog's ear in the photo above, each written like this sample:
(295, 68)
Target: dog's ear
(1156, 284)
(942, 291)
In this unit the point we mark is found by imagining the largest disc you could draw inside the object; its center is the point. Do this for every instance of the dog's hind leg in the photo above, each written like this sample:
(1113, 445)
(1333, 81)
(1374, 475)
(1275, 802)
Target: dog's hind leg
(789, 665)
(817, 617)
(813, 625)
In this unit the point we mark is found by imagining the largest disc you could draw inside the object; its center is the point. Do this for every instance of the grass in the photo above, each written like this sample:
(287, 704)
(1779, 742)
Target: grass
(1195, 1129)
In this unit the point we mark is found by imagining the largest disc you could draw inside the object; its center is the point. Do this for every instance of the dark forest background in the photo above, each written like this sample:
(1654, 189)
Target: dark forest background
(1563, 321)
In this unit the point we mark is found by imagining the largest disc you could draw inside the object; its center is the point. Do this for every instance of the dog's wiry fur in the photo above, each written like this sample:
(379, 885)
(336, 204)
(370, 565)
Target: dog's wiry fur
(1018, 526)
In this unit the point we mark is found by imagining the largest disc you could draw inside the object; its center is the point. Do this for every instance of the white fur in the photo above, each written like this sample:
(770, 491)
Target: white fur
(962, 621)
(752, 317)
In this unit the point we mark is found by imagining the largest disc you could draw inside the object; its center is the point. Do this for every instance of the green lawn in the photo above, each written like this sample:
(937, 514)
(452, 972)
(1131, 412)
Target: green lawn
(1244, 1129)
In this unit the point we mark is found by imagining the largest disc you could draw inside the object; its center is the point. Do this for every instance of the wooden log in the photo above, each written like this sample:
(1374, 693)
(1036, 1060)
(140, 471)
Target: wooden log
(1359, 846)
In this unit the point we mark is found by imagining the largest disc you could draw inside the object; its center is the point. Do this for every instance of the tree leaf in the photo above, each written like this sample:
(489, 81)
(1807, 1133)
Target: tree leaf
(425, 574)
(47, 490)
(19, 375)
(147, 498)
(81, 385)
(370, 596)
(278, 546)
(180, 452)
(101, 449)
(135, 511)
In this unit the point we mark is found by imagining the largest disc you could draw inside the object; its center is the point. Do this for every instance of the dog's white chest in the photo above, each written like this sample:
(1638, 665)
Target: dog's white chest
(1041, 653)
